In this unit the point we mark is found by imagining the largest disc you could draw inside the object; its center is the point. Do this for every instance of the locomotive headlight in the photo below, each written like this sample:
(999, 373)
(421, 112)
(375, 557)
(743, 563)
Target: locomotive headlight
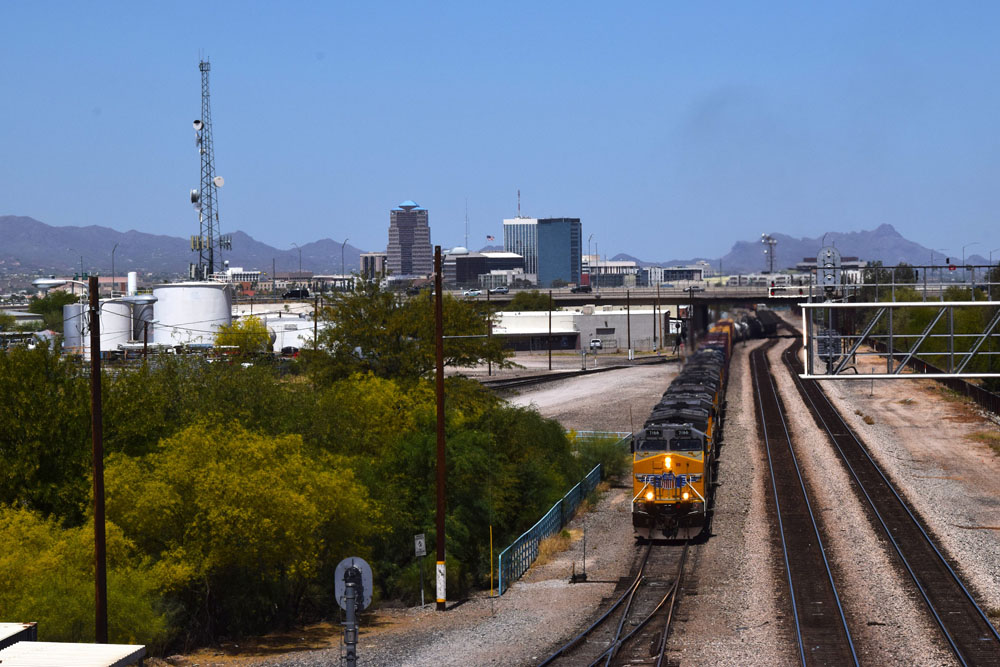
(685, 495)
(666, 462)
(649, 495)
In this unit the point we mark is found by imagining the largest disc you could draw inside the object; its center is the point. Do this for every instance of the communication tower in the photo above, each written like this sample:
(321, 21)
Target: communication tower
(205, 199)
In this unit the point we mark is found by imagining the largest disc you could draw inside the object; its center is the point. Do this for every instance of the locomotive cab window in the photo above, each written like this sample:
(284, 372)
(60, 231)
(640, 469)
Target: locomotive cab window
(685, 444)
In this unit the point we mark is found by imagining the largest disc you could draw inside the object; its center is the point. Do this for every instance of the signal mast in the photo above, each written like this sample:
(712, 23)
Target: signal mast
(205, 199)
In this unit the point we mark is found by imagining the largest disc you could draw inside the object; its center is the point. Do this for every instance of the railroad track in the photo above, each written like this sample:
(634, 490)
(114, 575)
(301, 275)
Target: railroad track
(820, 626)
(966, 628)
(638, 632)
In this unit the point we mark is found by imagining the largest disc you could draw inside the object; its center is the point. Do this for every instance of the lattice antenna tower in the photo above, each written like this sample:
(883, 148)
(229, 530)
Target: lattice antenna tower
(205, 199)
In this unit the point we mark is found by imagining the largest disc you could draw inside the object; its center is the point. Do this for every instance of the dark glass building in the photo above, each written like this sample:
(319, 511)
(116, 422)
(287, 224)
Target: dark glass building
(560, 250)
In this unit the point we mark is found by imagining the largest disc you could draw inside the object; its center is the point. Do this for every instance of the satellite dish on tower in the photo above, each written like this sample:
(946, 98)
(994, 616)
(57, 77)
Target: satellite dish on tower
(219, 181)
(197, 125)
(195, 196)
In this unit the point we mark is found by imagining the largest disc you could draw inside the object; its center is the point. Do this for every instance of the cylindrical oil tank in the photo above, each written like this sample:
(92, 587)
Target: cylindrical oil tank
(116, 327)
(191, 312)
(133, 283)
(74, 327)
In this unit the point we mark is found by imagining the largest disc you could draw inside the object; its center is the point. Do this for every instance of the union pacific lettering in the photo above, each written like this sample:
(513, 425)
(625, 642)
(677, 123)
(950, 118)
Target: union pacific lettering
(668, 480)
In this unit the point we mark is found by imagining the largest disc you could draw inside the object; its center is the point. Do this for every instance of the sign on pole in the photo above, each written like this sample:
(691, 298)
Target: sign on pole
(419, 545)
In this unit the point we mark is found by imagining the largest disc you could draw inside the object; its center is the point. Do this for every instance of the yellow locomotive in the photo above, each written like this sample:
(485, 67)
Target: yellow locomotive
(674, 454)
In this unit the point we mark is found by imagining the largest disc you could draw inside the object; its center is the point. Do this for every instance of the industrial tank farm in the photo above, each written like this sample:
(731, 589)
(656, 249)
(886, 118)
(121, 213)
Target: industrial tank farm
(116, 327)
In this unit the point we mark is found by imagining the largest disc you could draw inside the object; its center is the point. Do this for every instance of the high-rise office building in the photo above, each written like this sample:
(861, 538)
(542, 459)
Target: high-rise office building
(559, 250)
(409, 250)
(520, 235)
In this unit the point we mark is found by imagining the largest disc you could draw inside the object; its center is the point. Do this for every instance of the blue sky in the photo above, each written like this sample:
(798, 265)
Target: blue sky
(671, 129)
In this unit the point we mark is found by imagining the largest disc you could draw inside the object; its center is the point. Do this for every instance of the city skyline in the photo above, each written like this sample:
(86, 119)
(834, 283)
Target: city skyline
(648, 122)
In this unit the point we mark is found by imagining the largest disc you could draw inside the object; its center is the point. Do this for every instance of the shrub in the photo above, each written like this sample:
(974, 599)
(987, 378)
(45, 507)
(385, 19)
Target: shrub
(47, 575)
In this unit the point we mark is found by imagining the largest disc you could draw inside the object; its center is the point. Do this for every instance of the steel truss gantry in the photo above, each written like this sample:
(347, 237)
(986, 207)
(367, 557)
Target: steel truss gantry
(846, 340)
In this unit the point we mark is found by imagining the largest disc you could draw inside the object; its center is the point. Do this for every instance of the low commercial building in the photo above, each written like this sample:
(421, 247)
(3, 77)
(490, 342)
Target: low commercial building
(574, 329)
(462, 268)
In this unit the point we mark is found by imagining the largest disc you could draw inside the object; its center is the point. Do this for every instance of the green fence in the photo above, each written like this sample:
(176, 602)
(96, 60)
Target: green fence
(518, 557)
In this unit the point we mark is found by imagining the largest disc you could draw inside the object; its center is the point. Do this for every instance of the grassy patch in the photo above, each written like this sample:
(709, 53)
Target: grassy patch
(554, 545)
(859, 413)
(868, 420)
(993, 612)
(907, 401)
(991, 438)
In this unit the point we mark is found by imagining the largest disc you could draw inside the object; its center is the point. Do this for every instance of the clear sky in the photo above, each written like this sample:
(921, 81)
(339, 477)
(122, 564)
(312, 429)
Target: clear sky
(671, 129)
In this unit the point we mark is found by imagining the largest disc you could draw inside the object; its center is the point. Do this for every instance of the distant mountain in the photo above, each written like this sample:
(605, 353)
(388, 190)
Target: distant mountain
(28, 246)
(882, 243)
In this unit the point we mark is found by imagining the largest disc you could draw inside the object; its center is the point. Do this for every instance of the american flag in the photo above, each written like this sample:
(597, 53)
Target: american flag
(489, 237)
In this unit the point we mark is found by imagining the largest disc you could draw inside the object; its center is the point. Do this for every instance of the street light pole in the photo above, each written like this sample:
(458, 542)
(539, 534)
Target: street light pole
(342, 246)
(590, 263)
(965, 271)
(113, 269)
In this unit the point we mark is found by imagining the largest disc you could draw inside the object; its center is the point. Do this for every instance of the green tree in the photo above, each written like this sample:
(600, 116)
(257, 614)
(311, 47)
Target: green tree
(240, 525)
(50, 307)
(48, 576)
(248, 334)
(529, 301)
(7, 322)
(374, 330)
(44, 433)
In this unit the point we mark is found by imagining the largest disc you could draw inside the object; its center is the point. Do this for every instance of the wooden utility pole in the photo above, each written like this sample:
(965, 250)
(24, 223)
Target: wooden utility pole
(439, 385)
(97, 452)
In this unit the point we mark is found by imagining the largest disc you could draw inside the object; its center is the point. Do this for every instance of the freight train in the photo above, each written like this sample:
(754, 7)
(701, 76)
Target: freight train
(674, 455)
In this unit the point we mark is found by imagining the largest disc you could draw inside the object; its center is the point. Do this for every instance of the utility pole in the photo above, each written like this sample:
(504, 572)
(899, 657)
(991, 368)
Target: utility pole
(315, 323)
(656, 307)
(97, 453)
(439, 386)
(628, 322)
(550, 330)
(489, 333)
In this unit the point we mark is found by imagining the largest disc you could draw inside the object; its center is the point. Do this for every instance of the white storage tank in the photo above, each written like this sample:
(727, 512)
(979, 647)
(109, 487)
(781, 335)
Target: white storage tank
(116, 327)
(74, 327)
(190, 313)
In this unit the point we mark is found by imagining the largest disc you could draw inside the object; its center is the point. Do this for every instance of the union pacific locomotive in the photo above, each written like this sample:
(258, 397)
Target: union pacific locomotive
(673, 456)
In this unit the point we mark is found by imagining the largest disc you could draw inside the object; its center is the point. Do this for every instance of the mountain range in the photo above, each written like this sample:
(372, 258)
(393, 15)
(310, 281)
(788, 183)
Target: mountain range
(30, 247)
(882, 243)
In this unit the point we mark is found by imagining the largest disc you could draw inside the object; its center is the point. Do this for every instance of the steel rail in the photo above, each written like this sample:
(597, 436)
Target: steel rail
(973, 638)
(670, 596)
(593, 626)
(828, 639)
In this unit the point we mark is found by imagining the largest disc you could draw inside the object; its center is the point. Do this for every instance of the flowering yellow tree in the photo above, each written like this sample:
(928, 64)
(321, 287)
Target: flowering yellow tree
(248, 334)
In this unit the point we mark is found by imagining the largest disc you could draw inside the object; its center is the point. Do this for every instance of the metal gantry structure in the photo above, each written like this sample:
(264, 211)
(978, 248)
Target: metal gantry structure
(877, 330)
(205, 199)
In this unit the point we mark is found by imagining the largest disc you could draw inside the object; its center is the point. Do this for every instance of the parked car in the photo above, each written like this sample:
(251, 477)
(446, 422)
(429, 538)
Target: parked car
(581, 289)
(595, 344)
(472, 292)
(502, 289)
